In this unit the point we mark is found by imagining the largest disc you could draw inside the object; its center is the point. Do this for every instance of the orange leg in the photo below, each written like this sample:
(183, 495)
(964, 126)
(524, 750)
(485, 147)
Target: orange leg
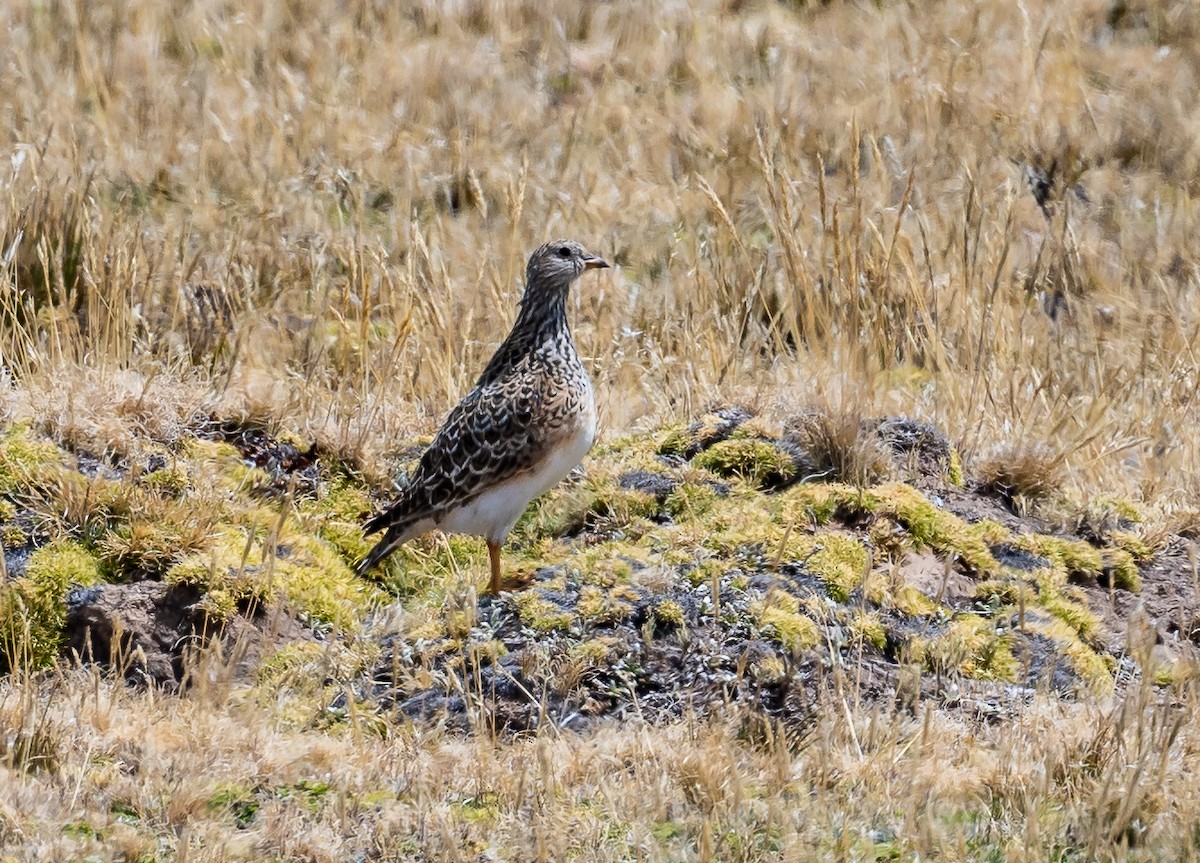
(494, 556)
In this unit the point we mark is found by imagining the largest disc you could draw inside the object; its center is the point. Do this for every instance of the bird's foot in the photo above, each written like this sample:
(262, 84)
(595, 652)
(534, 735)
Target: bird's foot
(511, 581)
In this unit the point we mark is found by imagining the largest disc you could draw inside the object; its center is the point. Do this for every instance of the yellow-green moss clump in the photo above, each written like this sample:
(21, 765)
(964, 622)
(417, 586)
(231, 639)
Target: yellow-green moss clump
(26, 461)
(1090, 666)
(690, 500)
(838, 559)
(242, 566)
(954, 471)
(337, 515)
(619, 507)
(866, 626)
(932, 527)
(926, 525)
(683, 439)
(220, 461)
(1122, 568)
(297, 680)
(33, 607)
(592, 653)
(539, 614)
(899, 595)
(779, 616)
(597, 605)
(969, 645)
(167, 481)
(758, 462)
(151, 542)
(669, 612)
(1075, 614)
(816, 503)
(1076, 558)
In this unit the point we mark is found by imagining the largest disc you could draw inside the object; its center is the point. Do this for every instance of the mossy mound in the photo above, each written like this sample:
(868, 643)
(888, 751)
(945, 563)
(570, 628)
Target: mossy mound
(33, 607)
(207, 514)
(677, 570)
(724, 585)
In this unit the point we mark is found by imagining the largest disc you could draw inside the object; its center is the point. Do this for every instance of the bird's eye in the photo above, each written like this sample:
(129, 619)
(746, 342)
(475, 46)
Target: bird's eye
(564, 252)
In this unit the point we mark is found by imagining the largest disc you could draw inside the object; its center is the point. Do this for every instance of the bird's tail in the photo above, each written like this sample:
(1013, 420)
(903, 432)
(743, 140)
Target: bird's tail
(392, 540)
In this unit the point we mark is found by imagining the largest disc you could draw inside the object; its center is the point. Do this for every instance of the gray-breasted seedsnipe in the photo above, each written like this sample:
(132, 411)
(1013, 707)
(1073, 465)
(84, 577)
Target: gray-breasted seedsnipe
(529, 420)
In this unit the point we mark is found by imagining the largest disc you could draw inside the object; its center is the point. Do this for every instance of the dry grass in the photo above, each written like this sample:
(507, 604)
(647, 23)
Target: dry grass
(1022, 472)
(319, 218)
(97, 769)
(315, 216)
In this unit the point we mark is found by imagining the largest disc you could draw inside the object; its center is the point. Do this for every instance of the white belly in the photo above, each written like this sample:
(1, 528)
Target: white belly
(494, 512)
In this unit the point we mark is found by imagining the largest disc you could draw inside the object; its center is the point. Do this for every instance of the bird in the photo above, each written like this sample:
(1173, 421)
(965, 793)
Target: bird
(528, 421)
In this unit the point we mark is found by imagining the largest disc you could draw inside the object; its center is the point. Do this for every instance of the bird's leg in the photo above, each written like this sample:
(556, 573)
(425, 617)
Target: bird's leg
(494, 557)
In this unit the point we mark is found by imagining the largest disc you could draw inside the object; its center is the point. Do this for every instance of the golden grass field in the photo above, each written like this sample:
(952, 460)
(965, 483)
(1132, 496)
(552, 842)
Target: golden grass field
(312, 218)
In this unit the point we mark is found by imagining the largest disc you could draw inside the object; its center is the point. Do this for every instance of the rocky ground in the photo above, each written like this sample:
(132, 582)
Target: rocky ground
(726, 565)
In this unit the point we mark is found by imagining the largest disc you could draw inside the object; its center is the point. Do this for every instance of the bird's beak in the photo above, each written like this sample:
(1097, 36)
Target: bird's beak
(594, 262)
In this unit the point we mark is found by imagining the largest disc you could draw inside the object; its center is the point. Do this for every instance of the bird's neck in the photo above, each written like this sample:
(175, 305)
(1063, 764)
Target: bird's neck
(543, 315)
(542, 319)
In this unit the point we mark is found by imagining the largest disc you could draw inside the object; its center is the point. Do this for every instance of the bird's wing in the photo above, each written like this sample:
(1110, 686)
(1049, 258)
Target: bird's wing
(489, 437)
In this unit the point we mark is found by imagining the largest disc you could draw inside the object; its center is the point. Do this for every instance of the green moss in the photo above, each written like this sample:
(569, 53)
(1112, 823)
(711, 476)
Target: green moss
(598, 606)
(243, 566)
(910, 602)
(1173, 672)
(684, 440)
(337, 515)
(706, 570)
(592, 653)
(169, 481)
(969, 645)
(26, 461)
(148, 543)
(1122, 569)
(1077, 559)
(1090, 666)
(559, 513)
(483, 809)
(221, 462)
(609, 563)
(1121, 508)
(292, 664)
(1075, 614)
(926, 524)
(33, 607)
(621, 507)
(839, 560)
(990, 532)
(487, 652)
(814, 503)
(758, 462)
(238, 800)
(954, 472)
(13, 536)
(669, 612)
(744, 518)
(768, 670)
(903, 597)
(690, 500)
(932, 527)
(1134, 544)
(431, 628)
(778, 616)
(539, 614)
(869, 628)
(1005, 591)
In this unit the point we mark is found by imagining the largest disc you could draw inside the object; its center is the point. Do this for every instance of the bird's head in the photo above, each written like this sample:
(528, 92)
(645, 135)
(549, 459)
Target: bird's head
(559, 263)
